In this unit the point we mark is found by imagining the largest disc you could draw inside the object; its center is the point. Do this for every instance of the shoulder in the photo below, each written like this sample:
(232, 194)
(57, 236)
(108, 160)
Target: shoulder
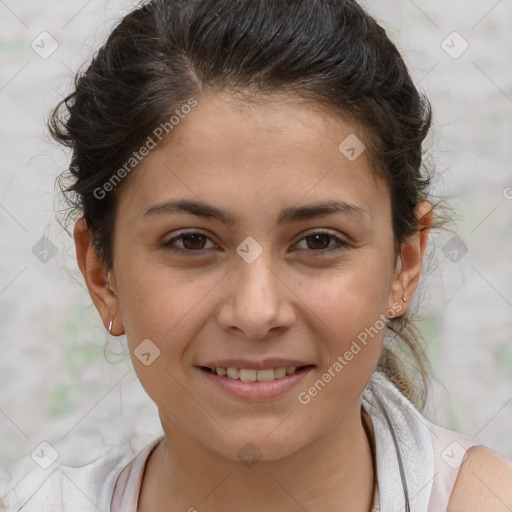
(65, 487)
(484, 482)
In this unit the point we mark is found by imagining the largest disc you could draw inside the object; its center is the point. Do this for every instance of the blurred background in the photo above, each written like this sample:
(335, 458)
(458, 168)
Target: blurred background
(56, 384)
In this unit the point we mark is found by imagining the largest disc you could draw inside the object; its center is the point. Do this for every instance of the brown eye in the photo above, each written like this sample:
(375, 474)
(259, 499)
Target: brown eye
(320, 242)
(190, 242)
(193, 242)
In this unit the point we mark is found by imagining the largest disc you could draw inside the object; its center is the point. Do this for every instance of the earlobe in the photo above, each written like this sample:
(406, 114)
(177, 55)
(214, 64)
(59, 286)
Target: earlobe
(396, 304)
(410, 260)
(95, 276)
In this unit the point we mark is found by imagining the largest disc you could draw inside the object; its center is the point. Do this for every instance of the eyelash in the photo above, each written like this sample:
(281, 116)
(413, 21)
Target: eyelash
(341, 244)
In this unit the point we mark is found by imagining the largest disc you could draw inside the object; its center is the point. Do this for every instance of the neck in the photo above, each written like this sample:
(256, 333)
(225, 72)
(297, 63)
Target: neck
(334, 471)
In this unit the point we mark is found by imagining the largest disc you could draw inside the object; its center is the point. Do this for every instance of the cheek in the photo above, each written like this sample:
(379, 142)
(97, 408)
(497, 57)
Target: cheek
(160, 304)
(350, 298)
(169, 310)
(350, 305)
(352, 312)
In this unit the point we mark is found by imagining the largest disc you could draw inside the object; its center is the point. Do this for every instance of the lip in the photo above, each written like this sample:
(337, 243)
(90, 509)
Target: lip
(256, 391)
(264, 364)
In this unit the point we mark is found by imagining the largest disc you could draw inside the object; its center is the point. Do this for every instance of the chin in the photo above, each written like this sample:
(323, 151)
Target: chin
(262, 445)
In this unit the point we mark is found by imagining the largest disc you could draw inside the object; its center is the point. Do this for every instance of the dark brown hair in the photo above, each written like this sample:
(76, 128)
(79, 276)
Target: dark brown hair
(330, 52)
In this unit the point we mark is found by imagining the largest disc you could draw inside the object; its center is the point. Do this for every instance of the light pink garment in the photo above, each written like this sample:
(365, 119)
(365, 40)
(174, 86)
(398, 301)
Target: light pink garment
(454, 445)
(127, 489)
(431, 457)
(449, 452)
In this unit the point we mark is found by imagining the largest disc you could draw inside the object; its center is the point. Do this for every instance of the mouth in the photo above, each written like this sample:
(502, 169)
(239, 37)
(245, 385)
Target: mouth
(253, 375)
(250, 384)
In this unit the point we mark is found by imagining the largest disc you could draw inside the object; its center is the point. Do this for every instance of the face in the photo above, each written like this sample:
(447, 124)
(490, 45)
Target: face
(256, 277)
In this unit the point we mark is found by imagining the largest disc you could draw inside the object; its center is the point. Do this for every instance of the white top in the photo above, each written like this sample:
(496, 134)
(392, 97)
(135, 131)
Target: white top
(428, 456)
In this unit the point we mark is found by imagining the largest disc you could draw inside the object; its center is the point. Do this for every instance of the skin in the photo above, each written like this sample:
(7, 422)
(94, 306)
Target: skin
(290, 302)
(483, 483)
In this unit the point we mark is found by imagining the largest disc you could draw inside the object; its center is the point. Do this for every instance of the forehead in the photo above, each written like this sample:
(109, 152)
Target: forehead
(276, 150)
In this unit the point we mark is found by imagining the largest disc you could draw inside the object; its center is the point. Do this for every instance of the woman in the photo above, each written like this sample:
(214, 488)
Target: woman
(253, 217)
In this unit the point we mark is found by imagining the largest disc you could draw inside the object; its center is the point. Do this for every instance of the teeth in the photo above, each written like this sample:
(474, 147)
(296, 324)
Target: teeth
(270, 374)
(249, 375)
(280, 372)
(233, 373)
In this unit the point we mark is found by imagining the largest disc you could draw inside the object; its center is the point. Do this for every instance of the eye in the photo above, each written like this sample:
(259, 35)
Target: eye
(195, 241)
(192, 242)
(318, 242)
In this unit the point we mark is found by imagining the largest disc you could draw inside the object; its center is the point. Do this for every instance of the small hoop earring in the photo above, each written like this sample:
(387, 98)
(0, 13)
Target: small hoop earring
(113, 351)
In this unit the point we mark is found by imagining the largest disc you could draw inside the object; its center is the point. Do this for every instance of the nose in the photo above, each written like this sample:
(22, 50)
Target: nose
(257, 301)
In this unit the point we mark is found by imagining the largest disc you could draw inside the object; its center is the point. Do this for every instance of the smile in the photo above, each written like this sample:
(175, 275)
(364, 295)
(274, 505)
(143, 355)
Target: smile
(255, 385)
(250, 375)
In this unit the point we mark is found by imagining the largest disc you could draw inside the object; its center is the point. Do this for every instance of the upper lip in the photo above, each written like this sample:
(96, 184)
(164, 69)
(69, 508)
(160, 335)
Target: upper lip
(255, 365)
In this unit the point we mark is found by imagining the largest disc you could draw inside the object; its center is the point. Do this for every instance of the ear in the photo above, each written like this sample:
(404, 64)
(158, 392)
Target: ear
(103, 295)
(410, 262)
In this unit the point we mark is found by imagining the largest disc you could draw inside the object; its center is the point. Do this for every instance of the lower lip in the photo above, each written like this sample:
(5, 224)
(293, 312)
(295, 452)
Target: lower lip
(257, 391)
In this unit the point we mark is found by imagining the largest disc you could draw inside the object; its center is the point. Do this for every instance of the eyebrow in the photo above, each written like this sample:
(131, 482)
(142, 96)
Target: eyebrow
(292, 214)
